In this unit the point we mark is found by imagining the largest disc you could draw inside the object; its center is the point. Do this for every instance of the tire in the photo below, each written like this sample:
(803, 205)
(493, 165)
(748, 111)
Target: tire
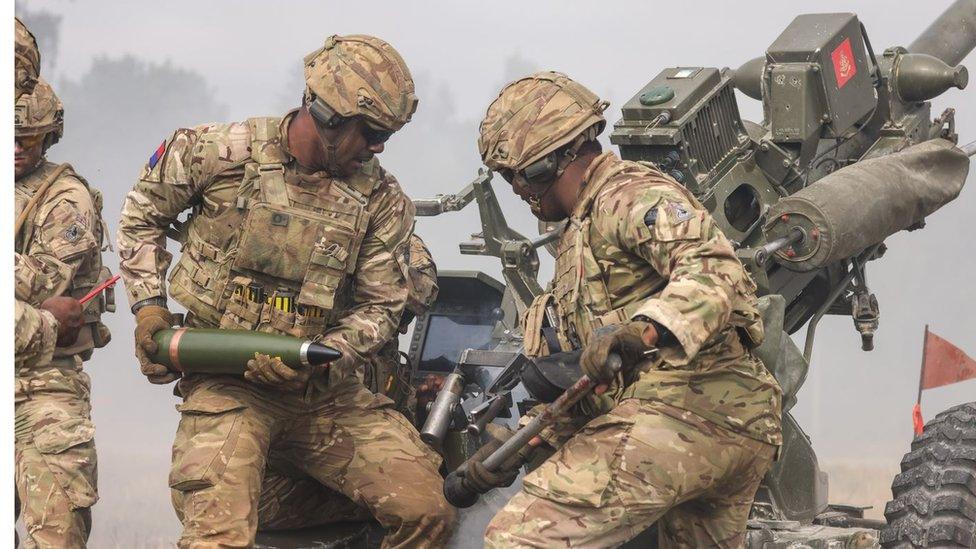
(934, 496)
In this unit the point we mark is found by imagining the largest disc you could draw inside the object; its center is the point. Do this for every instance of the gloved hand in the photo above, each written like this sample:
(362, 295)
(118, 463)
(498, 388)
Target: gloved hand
(476, 477)
(67, 311)
(628, 340)
(149, 320)
(265, 370)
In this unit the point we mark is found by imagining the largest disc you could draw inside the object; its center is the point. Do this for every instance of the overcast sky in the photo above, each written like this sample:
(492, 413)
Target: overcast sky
(132, 72)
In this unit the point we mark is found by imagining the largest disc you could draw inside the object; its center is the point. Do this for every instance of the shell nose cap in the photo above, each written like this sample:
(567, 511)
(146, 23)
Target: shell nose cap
(317, 354)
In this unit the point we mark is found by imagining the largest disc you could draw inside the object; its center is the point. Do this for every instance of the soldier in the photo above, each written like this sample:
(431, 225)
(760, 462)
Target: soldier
(294, 229)
(37, 330)
(684, 435)
(27, 60)
(387, 373)
(291, 499)
(58, 244)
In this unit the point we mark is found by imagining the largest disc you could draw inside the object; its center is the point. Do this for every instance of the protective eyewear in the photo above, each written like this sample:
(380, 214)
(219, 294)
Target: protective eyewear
(375, 136)
(29, 141)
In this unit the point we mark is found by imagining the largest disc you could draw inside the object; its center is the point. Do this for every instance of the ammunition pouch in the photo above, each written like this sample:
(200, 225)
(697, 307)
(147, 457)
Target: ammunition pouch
(289, 257)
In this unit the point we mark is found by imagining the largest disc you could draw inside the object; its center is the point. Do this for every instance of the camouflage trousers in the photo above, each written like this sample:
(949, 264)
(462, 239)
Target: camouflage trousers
(55, 471)
(641, 463)
(351, 443)
(388, 375)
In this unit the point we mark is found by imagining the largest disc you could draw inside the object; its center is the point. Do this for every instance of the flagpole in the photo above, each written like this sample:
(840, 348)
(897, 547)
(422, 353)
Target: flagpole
(921, 374)
(918, 422)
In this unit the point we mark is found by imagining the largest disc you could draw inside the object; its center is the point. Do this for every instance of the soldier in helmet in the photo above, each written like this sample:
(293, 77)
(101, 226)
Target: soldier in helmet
(294, 229)
(58, 244)
(27, 60)
(685, 432)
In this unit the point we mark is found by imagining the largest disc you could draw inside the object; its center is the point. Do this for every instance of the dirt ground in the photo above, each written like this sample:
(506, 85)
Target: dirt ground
(862, 483)
(138, 514)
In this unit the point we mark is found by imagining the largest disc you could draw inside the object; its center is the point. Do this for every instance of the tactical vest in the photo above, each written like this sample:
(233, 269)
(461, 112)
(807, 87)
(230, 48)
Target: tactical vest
(268, 255)
(582, 302)
(91, 273)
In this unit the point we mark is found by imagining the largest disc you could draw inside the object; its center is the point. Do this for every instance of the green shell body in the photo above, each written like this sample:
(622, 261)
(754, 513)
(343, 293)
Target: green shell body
(211, 351)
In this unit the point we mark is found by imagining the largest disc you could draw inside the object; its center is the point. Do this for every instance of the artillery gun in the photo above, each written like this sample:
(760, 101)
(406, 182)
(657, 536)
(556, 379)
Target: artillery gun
(848, 154)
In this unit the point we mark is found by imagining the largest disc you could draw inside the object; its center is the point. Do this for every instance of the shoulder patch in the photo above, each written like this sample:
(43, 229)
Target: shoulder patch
(157, 155)
(73, 232)
(678, 212)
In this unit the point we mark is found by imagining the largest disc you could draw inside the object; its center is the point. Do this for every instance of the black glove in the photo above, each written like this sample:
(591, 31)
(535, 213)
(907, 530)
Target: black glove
(476, 477)
(627, 340)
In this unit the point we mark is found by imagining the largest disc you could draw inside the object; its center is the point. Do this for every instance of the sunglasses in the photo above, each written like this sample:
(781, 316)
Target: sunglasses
(542, 172)
(29, 141)
(375, 136)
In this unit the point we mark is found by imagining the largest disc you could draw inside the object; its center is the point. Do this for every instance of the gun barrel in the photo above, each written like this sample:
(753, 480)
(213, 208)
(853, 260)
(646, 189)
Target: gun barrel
(969, 148)
(951, 36)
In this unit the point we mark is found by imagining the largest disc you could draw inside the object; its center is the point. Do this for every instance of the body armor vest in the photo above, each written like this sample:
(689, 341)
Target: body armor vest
(581, 298)
(90, 273)
(263, 253)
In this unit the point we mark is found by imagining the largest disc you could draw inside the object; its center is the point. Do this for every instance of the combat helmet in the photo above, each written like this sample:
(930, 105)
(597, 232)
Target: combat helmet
(359, 75)
(27, 60)
(39, 113)
(535, 116)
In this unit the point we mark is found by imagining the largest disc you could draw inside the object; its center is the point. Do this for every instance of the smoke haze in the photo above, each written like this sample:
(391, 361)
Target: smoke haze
(130, 73)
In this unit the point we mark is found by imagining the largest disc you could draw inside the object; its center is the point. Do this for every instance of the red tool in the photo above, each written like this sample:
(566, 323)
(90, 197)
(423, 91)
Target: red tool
(98, 289)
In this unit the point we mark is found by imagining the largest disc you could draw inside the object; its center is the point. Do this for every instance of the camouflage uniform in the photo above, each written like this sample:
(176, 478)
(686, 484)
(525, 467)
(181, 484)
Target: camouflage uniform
(58, 252)
(387, 372)
(35, 333)
(289, 498)
(271, 247)
(684, 440)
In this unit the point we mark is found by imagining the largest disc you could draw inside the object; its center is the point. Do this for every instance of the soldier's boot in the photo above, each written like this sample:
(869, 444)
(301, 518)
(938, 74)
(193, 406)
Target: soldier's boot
(641, 463)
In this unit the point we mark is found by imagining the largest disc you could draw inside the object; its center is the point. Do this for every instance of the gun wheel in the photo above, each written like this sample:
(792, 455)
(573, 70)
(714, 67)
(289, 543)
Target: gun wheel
(934, 496)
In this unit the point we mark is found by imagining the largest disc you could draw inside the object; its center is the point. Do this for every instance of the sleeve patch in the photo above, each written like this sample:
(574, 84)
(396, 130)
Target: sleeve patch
(73, 232)
(157, 155)
(677, 212)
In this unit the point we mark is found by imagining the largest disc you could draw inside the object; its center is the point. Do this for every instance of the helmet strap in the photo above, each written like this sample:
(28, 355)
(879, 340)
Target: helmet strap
(330, 148)
(567, 158)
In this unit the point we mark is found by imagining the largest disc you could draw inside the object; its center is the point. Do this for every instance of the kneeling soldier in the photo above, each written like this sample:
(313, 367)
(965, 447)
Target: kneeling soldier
(683, 435)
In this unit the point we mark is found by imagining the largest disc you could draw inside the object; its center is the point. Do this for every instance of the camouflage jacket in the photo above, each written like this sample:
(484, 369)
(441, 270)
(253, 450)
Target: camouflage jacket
(639, 244)
(58, 250)
(269, 246)
(35, 333)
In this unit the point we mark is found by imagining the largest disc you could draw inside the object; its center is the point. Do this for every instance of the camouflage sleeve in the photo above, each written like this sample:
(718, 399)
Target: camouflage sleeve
(679, 238)
(422, 280)
(172, 181)
(35, 334)
(63, 237)
(380, 282)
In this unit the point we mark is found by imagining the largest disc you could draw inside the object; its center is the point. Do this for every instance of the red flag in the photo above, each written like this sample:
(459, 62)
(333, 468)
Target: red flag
(943, 363)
